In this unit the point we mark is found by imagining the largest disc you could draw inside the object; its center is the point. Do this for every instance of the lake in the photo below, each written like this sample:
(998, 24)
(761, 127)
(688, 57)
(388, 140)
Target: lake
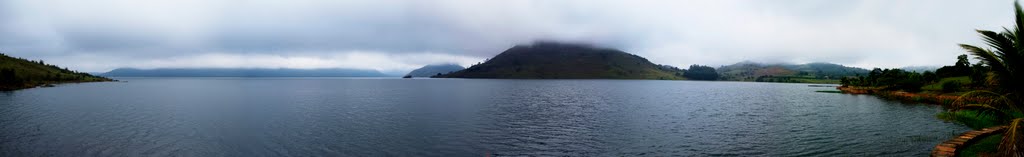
(458, 117)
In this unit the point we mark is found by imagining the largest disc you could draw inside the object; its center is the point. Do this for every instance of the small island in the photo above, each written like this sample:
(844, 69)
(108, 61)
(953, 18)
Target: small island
(553, 60)
(19, 73)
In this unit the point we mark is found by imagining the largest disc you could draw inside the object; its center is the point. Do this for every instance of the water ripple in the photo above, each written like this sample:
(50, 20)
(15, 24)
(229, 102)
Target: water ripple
(455, 117)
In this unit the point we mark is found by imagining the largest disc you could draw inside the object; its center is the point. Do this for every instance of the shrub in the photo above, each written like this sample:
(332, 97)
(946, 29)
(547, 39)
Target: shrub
(951, 86)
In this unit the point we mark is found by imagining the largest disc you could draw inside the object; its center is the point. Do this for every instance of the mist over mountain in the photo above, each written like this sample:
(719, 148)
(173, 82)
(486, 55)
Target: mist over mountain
(553, 60)
(920, 69)
(238, 72)
(431, 70)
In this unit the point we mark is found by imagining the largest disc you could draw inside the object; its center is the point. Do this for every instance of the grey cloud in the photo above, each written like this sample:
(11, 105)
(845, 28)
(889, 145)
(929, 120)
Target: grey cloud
(862, 33)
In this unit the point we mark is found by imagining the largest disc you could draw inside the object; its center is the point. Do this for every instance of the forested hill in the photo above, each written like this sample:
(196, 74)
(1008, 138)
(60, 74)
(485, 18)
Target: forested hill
(550, 60)
(18, 73)
(802, 73)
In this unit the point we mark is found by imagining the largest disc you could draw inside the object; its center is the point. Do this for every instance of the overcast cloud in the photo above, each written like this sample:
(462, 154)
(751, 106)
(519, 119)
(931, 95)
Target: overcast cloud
(396, 35)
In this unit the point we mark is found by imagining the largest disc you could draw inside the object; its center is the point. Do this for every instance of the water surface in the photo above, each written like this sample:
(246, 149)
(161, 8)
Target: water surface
(458, 117)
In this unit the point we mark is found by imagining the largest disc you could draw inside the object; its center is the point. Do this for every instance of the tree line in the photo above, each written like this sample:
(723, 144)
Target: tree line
(898, 79)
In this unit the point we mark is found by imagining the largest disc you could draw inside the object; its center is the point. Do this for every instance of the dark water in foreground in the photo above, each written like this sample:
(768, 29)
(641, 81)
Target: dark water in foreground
(456, 117)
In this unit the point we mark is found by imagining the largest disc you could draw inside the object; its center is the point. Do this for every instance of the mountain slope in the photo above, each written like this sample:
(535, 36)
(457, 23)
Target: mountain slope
(235, 72)
(801, 73)
(431, 70)
(17, 73)
(827, 69)
(549, 60)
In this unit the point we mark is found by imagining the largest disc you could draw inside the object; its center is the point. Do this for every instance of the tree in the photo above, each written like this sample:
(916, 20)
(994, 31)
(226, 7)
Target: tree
(700, 72)
(891, 79)
(961, 61)
(979, 74)
(929, 76)
(961, 68)
(1004, 61)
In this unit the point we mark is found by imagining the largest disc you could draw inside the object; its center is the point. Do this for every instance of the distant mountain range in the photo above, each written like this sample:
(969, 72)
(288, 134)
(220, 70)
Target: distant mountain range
(551, 60)
(804, 73)
(920, 69)
(431, 70)
(241, 72)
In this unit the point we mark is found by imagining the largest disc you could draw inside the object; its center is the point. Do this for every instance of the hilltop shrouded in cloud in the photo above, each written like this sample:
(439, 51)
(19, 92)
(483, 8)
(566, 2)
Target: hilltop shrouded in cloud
(397, 36)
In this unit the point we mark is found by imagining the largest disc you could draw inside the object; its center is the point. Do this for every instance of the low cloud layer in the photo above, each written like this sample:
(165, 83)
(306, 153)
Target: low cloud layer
(400, 35)
(384, 62)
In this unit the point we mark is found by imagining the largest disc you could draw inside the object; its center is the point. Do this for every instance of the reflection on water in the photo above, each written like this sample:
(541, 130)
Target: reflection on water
(457, 117)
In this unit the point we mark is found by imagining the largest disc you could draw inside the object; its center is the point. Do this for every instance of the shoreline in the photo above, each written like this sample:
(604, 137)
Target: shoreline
(951, 146)
(48, 84)
(929, 98)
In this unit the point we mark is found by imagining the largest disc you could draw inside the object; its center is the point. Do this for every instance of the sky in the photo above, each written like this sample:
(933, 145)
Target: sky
(396, 36)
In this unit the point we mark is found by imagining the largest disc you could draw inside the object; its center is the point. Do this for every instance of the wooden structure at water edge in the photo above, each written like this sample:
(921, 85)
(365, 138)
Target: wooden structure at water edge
(949, 148)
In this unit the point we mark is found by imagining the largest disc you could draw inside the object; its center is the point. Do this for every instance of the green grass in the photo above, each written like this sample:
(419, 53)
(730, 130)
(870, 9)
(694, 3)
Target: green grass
(938, 85)
(987, 145)
(970, 118)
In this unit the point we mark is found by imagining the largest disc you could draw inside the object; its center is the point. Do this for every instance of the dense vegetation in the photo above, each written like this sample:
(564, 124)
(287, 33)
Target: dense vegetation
(1004, 90)
(991, 93)
(889, 79)
(961, 68)
(549, 60)
(700, 72)
(18, 73)
(948, 79)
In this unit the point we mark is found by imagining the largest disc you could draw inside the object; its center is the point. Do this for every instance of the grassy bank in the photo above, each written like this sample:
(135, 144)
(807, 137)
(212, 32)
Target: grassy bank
(970, 118)
(937, 98)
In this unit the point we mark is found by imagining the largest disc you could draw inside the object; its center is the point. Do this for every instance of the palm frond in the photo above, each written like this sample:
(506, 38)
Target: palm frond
(988, 110)
(999, 67)
(1010, 34)
(991, 79)
(1012, 143)
(1018, 20)
(1012, 60)
(1008, 54)
(999, 41)
(991, 99)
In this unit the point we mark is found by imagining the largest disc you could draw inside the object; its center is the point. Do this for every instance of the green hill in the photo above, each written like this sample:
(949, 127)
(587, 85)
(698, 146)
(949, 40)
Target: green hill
(18, 73)
(549, 60)
(796, 73)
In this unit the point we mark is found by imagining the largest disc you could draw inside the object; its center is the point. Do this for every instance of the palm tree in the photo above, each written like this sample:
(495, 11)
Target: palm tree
(1005, 101)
